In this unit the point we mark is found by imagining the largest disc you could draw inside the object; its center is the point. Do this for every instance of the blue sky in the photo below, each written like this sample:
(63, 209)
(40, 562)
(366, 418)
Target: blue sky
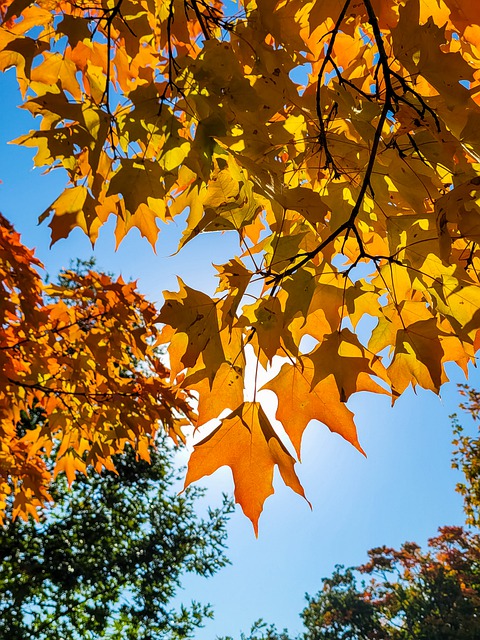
(402, 491)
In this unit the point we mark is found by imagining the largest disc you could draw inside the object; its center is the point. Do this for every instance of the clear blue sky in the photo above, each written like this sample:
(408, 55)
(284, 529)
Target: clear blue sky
(403, 491)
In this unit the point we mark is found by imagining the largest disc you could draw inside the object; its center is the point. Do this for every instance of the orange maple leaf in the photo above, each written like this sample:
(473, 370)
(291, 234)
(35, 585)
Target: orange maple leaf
(247, 443)
(299, 403)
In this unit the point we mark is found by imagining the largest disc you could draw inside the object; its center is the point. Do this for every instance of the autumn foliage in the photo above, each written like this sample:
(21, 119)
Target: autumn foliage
(338, 139)
(79, 376)
(408, 593)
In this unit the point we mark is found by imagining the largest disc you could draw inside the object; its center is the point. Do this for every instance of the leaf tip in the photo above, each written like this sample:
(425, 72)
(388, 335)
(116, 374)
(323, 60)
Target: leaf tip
(359, 448)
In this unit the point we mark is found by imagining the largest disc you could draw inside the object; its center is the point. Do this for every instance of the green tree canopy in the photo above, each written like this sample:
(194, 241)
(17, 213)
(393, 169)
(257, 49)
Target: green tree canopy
(106, 560)
(467, 456)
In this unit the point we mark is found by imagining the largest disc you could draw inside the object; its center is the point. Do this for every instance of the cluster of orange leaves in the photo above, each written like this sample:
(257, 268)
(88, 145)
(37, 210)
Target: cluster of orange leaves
(79, 376)
(338, 139)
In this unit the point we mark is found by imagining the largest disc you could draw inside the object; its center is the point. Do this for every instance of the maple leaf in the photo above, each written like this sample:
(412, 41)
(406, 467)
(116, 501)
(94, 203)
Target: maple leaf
(193, 315)
(226, 390)
(342, 356)
(300, 400)
(248, 444)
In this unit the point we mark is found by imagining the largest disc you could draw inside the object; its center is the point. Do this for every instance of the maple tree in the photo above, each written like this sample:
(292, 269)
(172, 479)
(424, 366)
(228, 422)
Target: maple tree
(107, 558)
(75, 358)
(337, 139)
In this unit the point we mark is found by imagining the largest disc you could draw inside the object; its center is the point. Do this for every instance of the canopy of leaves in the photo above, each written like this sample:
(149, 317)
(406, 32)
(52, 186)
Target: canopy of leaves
(339, 140)
(75, 359)
(106, 560)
